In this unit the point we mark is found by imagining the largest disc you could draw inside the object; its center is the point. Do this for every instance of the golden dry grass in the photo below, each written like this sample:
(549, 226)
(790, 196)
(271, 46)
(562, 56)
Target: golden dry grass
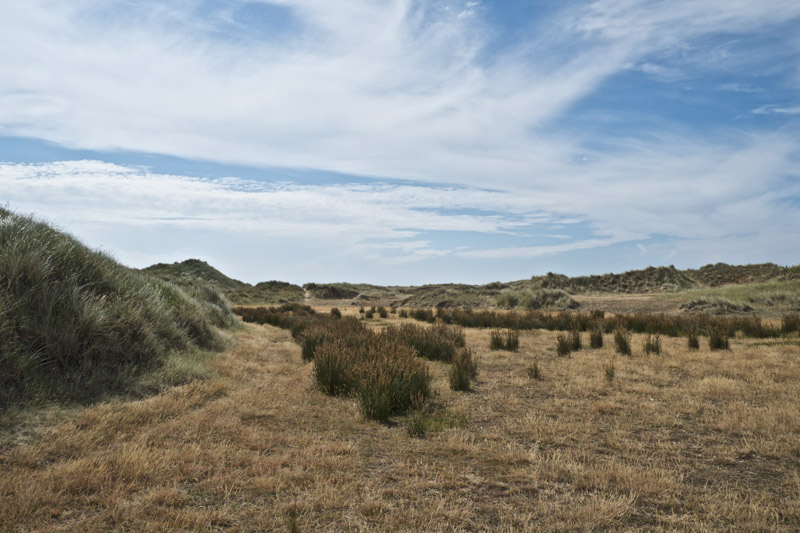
(691, 441)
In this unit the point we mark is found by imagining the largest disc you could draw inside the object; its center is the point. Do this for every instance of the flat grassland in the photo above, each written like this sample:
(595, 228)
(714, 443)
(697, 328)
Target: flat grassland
(686, 440)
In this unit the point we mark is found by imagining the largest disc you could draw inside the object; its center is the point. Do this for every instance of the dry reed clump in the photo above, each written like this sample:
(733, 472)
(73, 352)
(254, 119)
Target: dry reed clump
(504, 340)
(652, 344)
(622, 342)
(596, 338)
(438, 342)
(575, 340)
(693, 340)
(463, 370)
(661, 324)
(718, 340)
(563, 345)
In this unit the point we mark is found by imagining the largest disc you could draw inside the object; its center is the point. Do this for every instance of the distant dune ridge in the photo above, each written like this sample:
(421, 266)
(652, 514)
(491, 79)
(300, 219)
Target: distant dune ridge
(550, 291)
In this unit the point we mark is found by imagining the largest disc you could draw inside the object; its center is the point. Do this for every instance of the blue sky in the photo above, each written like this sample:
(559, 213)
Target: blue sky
(407, 141)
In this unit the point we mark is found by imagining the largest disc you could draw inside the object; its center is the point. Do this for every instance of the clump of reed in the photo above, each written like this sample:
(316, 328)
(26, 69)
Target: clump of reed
(563, 344)
(504, 340)
(596, 338)
(718, 340)
(652, 344)
(463, 371)
(622, 342)
(438, 342)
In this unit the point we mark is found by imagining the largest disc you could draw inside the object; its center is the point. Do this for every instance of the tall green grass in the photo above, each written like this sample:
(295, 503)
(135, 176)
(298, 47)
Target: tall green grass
(75, 324)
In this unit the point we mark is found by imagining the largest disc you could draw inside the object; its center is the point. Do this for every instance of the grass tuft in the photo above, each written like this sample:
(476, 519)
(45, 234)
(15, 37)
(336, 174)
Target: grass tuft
(718, 340)
(622, 342)
(652, 344)
(596, 338)
(563, 345)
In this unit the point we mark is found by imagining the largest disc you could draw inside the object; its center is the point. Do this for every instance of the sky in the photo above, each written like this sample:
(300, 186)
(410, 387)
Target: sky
(407, 141)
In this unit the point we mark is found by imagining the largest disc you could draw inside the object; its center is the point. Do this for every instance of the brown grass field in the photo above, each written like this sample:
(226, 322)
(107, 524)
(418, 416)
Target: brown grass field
(684, 441)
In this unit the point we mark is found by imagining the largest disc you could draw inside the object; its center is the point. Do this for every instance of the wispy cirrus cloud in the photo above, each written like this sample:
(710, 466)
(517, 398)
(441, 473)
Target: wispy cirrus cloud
(429, 92)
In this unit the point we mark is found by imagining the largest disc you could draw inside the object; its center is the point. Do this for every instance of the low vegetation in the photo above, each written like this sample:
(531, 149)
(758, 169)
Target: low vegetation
(381, 370)
(661, 324)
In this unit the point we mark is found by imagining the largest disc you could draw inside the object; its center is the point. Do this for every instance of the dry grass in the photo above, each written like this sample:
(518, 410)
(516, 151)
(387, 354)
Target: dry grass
(691, 441)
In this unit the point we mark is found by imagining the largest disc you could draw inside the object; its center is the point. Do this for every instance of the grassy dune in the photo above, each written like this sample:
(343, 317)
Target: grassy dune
(75, 324)
(686, 440)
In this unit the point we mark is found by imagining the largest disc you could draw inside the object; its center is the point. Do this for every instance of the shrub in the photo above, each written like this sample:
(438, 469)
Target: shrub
(652, 344)
(718, 340)
(369, 314)
(393, 311)
(310, 339)
(403, 313)
(334, 368)
(575, 341)
(335, 313)
(533, 371)
(596, 338)
(392, 381)
(463, 370)
(361, 310)
(563, 345)
(622, 341)
(382, 312)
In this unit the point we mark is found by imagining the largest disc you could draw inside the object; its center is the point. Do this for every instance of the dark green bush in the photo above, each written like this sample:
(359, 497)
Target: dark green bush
(382, 312)
(335, 313)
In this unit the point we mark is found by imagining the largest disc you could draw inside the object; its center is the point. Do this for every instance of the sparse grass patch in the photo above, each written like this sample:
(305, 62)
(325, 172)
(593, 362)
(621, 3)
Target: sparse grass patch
(610, 370)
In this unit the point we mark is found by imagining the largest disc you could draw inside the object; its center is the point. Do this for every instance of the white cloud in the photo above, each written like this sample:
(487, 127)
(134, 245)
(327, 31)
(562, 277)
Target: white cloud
(396, 89)
(776, 110)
